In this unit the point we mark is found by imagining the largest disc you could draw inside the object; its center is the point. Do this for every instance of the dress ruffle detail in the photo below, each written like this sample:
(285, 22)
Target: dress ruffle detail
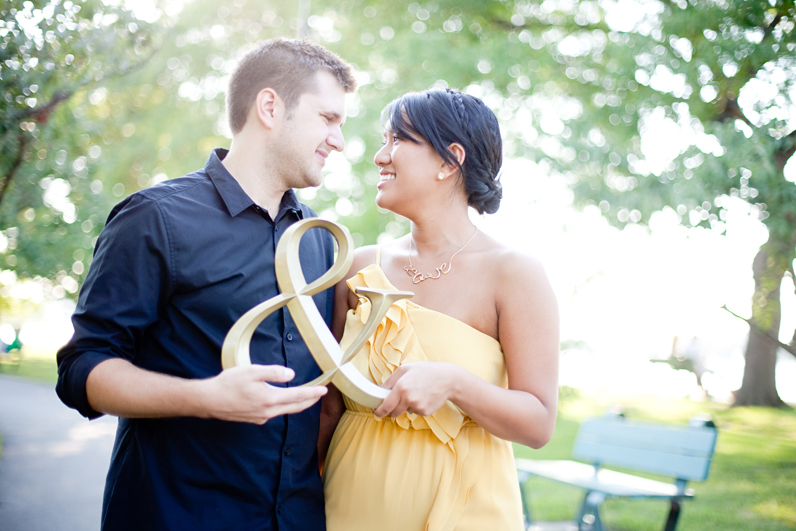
(442, 472)
(395, 342)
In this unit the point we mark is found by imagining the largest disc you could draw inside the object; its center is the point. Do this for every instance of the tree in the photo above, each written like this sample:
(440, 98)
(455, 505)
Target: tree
(53, 54)
(724, 84)
(580, 87)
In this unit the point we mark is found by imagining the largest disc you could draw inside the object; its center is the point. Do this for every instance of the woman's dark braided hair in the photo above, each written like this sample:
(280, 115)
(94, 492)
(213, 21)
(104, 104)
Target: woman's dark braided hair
(442, 117)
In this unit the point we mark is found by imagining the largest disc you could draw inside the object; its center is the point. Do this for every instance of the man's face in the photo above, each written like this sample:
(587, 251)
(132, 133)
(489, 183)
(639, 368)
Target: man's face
(310, 131)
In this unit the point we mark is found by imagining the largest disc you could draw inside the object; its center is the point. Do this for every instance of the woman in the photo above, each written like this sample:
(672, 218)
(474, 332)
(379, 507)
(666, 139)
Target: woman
(436, 454)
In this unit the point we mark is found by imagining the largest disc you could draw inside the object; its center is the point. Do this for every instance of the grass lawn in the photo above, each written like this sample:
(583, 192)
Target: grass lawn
(751, 487)
(752, 482)
(34, 363)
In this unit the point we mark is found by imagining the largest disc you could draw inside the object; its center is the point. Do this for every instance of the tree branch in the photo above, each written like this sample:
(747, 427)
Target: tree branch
(770, 28)
(764, 334)
(793, 278)
(733, 111)
(751, 73)
(23, 145)
(537, 24)
(42, 112)
(781, 157)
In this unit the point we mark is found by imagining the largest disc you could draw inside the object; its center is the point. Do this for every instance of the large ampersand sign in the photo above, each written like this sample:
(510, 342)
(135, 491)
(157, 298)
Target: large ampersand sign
(297, 295)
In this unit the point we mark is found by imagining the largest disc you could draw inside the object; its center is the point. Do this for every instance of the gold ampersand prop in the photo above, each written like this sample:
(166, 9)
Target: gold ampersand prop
(297, 295)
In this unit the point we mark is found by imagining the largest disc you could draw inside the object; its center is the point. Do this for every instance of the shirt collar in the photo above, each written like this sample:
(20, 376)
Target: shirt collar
(235, 199)
(290, 203)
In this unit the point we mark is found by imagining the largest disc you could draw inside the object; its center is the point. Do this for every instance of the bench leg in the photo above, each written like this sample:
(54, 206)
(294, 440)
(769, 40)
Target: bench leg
(674, 514)
(589, 516)
(526, 507)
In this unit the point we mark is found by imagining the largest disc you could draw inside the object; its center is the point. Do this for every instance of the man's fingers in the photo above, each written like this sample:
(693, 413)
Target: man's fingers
(293, 395)
(291, 400)
(243, 393)
(293, 407)
(271, 373)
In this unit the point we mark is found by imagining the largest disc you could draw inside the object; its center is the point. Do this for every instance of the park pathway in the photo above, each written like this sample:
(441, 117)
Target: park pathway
(53, 465)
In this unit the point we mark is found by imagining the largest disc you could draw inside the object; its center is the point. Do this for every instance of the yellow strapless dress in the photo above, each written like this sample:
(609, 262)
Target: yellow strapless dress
(437, 473)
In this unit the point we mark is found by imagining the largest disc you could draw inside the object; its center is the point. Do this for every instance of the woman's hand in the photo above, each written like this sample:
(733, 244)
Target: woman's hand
(420, 388)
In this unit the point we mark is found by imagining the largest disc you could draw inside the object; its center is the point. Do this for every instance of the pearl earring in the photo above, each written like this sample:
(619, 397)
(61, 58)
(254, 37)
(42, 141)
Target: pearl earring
(440, 176)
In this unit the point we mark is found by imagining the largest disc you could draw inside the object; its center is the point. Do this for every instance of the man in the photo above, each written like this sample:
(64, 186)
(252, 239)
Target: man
(174, 268)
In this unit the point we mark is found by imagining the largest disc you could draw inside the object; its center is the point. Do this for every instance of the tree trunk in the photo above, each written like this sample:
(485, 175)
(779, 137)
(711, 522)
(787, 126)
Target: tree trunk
(759, 383)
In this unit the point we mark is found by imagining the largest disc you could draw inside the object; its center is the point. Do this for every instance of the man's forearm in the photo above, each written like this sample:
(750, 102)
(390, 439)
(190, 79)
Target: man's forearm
(117, 387)
(240, 394)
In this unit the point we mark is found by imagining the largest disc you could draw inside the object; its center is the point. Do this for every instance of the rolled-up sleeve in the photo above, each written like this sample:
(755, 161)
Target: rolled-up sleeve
(126, 286)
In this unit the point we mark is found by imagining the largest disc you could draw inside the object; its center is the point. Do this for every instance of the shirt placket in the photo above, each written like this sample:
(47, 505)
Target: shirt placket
(288, 341)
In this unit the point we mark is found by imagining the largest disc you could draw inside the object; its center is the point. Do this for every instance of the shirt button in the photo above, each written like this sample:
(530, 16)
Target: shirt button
(287, 451)
(290, 337)
(279, 509)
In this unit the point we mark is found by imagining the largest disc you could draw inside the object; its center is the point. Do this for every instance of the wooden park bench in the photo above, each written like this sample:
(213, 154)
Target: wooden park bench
(680, 452)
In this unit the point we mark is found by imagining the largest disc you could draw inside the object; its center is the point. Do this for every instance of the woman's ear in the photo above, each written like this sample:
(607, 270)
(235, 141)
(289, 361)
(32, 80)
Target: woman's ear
(459, 154)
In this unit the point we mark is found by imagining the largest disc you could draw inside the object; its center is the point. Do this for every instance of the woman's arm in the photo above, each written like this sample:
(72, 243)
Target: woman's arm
(528, 331)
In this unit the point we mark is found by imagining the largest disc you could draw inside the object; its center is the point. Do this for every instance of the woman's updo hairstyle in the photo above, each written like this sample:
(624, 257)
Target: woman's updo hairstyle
(442, 117)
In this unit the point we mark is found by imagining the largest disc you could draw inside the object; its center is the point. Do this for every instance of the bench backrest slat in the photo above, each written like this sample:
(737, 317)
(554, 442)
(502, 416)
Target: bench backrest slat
(678, 452)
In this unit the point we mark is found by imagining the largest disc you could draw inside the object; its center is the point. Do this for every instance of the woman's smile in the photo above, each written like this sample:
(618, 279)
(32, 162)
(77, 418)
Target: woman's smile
(385, 176)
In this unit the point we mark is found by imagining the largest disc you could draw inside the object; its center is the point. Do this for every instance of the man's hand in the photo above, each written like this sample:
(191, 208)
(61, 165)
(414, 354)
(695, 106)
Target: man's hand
(117, 387)
(242, 394)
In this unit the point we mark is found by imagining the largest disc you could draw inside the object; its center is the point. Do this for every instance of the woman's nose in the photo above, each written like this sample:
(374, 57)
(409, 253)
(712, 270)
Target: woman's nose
(382, 156)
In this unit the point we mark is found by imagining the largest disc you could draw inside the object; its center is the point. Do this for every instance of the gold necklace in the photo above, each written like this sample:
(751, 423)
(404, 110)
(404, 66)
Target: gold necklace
(444, 269)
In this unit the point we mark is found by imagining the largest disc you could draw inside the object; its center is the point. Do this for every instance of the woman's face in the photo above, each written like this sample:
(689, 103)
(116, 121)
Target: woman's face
(407, 172)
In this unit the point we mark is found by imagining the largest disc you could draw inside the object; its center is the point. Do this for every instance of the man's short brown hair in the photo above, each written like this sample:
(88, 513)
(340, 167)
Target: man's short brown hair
(287, 66)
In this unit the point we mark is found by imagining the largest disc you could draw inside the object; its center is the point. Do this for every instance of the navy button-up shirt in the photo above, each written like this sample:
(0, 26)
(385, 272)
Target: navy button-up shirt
(176, 265)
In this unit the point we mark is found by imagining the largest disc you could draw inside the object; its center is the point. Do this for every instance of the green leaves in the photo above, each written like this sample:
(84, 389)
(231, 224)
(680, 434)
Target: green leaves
(639, 105)
(54, 55)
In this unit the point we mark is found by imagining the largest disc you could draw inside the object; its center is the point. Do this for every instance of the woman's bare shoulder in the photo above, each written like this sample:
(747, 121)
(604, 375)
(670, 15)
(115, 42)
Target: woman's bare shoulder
(363, 257)
(516, 271)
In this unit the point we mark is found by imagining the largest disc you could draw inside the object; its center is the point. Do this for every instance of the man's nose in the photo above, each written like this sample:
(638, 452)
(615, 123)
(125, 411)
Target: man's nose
(336, 139)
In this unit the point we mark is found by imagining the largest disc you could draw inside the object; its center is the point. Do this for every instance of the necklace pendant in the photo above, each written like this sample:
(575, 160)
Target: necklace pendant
(444, 269)
(417, 278)
(439, 274)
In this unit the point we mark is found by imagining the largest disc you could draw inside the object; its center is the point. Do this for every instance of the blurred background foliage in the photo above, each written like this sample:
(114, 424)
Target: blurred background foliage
(644, 107)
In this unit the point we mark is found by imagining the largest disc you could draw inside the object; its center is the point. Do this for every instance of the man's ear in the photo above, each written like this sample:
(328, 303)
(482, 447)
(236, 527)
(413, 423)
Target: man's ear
(269, 108)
